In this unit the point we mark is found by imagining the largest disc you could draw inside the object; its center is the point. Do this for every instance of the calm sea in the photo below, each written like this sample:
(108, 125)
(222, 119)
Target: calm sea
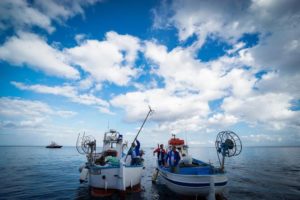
(40, 173)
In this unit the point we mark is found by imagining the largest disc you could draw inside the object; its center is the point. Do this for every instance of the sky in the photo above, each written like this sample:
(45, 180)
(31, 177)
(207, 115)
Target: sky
(69, 67)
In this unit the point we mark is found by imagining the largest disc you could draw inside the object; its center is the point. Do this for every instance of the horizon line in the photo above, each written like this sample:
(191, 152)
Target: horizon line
(153, 146)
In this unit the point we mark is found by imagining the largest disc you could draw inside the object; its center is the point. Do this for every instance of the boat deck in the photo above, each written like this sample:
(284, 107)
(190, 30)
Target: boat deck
(206, 170)
(197, 168)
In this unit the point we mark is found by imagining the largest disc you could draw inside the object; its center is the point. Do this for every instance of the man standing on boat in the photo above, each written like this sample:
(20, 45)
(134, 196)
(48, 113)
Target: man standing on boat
(160, 154)
(174, 158)
(135, 153)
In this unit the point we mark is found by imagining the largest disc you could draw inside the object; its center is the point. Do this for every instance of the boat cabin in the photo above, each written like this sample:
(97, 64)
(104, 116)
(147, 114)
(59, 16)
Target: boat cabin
(113, 144)
(182, 148)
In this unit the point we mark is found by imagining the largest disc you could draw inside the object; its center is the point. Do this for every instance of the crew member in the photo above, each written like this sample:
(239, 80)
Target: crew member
(135, 153)
(160, 154)
(173, 157)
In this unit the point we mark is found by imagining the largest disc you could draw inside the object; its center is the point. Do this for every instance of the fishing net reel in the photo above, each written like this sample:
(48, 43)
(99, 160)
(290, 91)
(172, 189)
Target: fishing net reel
(228, 144)
(85, 144)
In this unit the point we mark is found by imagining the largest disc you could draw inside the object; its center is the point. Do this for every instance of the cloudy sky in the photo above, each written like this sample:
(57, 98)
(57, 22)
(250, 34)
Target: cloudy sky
(204, 66)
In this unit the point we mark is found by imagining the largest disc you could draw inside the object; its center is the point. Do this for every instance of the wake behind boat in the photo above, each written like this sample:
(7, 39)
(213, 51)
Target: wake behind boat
(194, 177)
(53, 145)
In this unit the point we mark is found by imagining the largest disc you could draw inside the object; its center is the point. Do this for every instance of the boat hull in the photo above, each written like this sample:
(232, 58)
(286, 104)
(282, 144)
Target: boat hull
(118, 178)
(192, 185)
(53, 147)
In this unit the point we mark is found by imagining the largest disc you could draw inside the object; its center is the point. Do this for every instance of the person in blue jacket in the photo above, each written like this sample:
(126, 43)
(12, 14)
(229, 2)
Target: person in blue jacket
(173, 157)
(135, 153)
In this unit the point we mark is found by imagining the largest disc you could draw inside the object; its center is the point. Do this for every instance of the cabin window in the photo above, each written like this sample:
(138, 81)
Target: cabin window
(113, 145)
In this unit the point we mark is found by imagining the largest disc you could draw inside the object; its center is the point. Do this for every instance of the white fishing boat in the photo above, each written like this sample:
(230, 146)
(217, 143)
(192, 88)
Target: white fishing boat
(195, 177)
(110, 170)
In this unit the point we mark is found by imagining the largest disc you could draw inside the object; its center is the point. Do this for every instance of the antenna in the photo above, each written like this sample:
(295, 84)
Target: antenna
(186, 141)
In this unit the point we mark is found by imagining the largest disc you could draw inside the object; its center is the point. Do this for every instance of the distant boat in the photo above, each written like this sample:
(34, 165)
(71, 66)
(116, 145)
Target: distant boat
(53, 145)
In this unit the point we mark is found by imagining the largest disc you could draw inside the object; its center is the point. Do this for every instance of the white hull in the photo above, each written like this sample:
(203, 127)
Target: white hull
(194, 184)
(118, 178)
(110, 169)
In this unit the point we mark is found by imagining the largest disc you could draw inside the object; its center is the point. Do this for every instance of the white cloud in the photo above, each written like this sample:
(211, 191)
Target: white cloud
(30, 122)
(190, 84)
(80, 38)
(279, 51)
(171, 111)
(21, 14)
(167, 106)
(18, 107)
(67, 91)
(238, 46)
(127, 44)
(89, 99)
(18, 14)
(241, 82)
(180, 70)
(182, 103)
(33, 51)
(224, 19)
(271, 109)
(20, 113)
(66, 113)
(220, 118)
(212, 80)
(262, 137)
(248, 97)
(277, 22)
(109, 60)
(280, 83)
(86, 83)
(186, 85)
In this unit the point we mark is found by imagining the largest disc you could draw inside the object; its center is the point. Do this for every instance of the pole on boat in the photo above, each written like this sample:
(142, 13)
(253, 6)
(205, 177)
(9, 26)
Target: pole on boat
(212, 191)
(155, 175)
(150, 111)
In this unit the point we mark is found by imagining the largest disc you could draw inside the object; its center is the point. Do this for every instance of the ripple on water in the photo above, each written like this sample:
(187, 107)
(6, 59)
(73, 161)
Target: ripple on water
(39, 173)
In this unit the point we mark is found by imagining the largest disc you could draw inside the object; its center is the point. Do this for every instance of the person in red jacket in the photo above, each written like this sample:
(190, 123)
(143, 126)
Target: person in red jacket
(160, 154)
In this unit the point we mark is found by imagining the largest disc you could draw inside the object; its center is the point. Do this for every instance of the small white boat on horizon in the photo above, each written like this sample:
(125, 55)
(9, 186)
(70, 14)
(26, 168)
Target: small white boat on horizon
(53, 145)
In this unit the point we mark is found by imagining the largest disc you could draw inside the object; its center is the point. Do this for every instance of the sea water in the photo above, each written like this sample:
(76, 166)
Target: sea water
(41, 173)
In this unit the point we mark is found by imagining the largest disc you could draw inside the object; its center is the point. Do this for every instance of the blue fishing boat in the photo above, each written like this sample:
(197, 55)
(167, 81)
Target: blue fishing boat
(194, 177)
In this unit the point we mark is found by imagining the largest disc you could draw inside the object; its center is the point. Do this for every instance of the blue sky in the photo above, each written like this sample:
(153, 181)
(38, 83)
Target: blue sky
(204, 66)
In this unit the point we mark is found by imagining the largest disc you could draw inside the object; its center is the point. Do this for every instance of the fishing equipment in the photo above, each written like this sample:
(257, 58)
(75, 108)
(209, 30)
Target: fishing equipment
(228, 144)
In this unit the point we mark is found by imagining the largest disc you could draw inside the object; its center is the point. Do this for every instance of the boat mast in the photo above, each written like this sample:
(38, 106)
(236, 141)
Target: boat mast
(149, 112)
